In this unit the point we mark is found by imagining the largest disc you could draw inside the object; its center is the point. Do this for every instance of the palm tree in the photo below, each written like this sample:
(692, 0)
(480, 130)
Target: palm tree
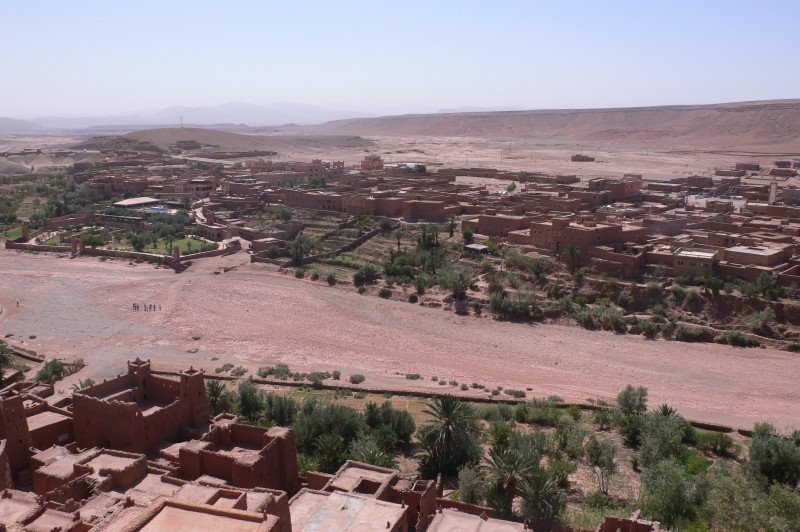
(367, 450)
(542, 499)
(448, 440)
(5, 354)
(81, 384)
(507, 467)
(217, 395)
(300, 247)
(571, 252)
(452, 423)
(398, 235)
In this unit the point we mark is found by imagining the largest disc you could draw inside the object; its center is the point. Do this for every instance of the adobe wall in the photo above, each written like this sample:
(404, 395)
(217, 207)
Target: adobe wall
(53, 434)
(14, 429)
(281, 443)
(114, 424)
(163, 424)
(162, 389)
(316, 480)
(84, 218)
(5, 466)
(107, 386)
(232, 247)
(216, 465)
(77, 489)
(464, 507)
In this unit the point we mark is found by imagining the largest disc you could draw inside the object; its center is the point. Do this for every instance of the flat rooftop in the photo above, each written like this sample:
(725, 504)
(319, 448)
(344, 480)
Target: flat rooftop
(43, 419)
(454, 521)
(136, 202)
(755, 250)
(351, 476)
(696, 253)
(17, 507)
(177, 518)
(316, 511)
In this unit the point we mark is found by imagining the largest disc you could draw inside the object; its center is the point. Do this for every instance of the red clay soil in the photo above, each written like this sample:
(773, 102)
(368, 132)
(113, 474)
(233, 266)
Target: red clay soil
(254, 316)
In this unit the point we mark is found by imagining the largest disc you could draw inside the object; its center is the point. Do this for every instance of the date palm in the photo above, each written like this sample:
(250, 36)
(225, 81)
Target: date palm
(507, 467)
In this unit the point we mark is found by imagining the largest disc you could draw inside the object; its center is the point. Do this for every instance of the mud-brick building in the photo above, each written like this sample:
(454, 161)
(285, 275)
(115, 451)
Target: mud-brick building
(135, 411)
(239, 455)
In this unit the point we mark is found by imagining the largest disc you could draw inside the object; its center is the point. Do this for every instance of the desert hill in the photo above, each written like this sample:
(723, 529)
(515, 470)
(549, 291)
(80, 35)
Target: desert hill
(157, 140)
(238, 142)
(746, 124)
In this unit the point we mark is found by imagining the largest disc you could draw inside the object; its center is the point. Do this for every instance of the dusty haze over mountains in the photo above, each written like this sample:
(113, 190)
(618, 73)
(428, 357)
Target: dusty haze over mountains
(775, 124)
(744, 126)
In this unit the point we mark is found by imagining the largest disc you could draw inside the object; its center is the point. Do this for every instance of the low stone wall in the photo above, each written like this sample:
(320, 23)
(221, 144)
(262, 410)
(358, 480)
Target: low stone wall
(231, 248)
(344, 249)
(135, 255)
(36, 247)
(278, 262)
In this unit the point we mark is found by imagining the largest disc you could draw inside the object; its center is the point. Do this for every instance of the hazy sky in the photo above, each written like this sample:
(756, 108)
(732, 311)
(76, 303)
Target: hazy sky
(100, 57)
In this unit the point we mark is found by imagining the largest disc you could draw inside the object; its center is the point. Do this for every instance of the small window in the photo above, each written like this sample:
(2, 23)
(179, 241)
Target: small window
(692, 264)
(680, 263)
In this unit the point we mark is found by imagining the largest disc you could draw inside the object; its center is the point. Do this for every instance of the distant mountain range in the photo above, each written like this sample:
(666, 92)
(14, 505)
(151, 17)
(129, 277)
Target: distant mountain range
(229, 115)
(763, 125)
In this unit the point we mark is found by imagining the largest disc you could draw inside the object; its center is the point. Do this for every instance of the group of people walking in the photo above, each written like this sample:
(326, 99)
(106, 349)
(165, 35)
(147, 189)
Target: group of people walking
(147, 307)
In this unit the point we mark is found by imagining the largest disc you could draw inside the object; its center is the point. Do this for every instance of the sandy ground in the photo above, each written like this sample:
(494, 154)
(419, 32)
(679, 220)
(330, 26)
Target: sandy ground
(613, 159)
(255, 316)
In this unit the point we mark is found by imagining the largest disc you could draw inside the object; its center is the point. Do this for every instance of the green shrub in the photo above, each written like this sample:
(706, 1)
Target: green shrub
(329, 452)
(666, 493)
(331, 279)
(650, 329)
(299, 273)
(653, 290)
(471, 486)
(53, 370)
(543, 412)
(520, 307)
(385, 292)
(694, 334)
(279, 409)
(560, 470)
(281, 371)
(517, 394)
(336, 374)
(775, 458)
(570, 437)
(737, 339)
(718, 443)
(759, 322)
(413, 298)
(370, 451)
(357, 378)
(366, 274)
(315, 419)
(413, 376)
(251, 400)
